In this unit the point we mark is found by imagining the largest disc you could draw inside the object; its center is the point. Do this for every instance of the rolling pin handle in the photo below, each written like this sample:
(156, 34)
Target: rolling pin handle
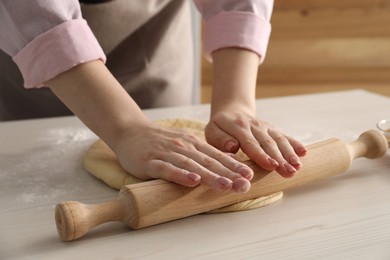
(371, 144)
(75, 219)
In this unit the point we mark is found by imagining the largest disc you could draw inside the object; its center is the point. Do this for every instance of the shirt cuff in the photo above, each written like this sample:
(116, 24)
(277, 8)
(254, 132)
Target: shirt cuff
(57, 50)
(237, 29)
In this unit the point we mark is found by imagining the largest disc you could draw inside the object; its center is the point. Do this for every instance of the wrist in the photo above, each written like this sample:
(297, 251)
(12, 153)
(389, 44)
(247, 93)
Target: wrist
(237, 108)
(234, 80)
(99, 101)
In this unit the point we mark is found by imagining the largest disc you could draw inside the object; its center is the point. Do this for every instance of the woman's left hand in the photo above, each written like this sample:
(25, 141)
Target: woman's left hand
(263, 143)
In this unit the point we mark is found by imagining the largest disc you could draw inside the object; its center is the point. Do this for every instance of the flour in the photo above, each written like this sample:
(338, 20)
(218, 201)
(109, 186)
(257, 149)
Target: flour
(68, 135)
(45, 174)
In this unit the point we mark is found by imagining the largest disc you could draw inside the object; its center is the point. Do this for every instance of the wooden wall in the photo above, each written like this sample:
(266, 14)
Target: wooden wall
(323, 45)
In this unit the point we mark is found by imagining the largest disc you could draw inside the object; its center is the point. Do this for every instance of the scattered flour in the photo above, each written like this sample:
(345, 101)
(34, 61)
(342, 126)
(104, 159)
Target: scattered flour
(46, 174)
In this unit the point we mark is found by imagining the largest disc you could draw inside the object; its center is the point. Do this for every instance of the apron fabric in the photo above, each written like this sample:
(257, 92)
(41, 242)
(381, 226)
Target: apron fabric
(149, 49)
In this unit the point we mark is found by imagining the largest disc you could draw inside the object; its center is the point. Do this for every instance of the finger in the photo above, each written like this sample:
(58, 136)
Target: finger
(220, 161)
(220, 167)
(221, 139)
(299, 148)
(290, 160)
(164, 170)
(275, 147)
(286, 148)
(215, 160)
(214, 173)
(208, 178)
(251, 147)
(223, 165)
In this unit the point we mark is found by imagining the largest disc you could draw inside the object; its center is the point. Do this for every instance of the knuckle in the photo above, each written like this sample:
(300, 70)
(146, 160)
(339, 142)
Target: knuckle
(221, 156)
(178, 143)
(161, 166)
(186, 163)
(147, 156)
(187, 142)
(208, 162)
(241, 122)
(280, 139)
(268, 142)
(255, 122)
(250, 141)
(194, 138)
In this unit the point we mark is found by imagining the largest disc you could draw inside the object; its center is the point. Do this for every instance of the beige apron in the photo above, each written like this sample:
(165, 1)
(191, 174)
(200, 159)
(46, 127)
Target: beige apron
(149, 50)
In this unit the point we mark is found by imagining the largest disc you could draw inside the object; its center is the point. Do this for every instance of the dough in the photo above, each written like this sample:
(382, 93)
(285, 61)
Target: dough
(102, 163)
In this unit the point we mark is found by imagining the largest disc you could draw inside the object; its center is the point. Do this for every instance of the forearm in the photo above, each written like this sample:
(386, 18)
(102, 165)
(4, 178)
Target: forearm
(95, 96)
(234, 79)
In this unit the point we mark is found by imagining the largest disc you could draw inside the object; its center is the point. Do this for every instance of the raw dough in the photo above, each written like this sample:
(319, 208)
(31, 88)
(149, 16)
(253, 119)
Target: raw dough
(102, 163)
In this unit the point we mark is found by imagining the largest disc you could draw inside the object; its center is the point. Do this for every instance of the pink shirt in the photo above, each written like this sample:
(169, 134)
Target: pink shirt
(46, 37)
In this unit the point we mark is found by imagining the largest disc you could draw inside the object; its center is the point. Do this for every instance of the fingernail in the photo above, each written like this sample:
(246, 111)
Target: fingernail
(241, 185)
(224, 183)
(193, 176)
(289, 168)
(303, 150)
(273, 162)
(246, 172)
(295, 160)
(231, 146)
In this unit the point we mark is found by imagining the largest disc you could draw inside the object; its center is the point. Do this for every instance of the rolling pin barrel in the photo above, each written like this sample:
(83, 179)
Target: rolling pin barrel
(154, 202)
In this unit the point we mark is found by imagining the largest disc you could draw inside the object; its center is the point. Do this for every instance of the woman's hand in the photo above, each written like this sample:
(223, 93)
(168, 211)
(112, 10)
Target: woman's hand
(233, 122)
(156, 152)
(264, 144)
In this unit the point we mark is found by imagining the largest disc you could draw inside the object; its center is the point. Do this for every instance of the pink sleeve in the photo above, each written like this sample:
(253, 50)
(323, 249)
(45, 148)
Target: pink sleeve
(236, 23)
(46, 38)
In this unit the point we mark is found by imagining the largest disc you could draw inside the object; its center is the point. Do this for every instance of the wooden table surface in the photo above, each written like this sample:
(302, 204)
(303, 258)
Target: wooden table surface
(344, 217)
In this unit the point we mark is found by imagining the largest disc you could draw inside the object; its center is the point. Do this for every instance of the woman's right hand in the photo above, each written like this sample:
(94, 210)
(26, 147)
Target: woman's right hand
(152, 151)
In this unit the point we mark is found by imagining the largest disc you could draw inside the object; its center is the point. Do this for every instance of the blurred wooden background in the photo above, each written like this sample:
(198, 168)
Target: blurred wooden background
(323, 45)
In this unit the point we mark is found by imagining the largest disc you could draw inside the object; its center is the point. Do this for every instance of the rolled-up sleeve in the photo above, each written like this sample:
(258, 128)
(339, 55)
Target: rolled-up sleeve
(236, 23)
(46, 38)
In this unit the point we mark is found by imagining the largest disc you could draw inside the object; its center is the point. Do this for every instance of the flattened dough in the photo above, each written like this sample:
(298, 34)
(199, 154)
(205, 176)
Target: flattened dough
(102, 163)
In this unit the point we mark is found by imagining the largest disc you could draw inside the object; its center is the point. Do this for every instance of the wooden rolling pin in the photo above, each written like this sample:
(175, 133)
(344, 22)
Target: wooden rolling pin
(153, 202)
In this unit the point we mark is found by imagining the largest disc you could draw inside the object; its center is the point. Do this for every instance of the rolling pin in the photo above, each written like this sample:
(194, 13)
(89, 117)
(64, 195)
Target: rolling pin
(158, 201)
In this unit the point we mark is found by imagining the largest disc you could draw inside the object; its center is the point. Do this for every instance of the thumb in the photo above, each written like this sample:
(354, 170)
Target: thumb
(220, 139)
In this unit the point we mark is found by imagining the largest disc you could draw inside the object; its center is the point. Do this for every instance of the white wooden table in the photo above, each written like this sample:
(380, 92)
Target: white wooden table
(344, 217)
